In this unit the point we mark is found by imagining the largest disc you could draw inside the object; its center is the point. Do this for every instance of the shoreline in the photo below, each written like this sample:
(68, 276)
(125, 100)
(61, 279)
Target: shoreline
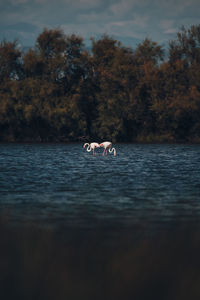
(118, 143)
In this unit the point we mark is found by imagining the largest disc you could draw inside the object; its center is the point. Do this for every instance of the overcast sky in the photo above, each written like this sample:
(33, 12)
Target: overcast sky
(129, 21)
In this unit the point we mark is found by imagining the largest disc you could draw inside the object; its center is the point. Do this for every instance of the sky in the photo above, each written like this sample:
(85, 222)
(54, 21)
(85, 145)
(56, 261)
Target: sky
(128, 21)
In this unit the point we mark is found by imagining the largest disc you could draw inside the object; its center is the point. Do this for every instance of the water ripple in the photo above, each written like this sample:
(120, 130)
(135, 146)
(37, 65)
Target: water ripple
(63, 182)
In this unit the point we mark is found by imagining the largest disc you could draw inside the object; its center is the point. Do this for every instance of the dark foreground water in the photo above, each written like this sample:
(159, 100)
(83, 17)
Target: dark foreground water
(63, 185)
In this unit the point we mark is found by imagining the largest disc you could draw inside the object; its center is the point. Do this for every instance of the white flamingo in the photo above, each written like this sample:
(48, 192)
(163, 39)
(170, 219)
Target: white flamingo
(91, 146)
(108, 147)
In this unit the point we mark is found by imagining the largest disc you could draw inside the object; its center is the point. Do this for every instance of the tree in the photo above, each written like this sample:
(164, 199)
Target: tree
(10, 61)
(186, 46)
(147, 59)
(116, 75)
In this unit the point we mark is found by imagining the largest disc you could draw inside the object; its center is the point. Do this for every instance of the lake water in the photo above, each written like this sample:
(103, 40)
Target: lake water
(58, 185)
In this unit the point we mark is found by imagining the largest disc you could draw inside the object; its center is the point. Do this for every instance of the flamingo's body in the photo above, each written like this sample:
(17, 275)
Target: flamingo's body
(91, 146)
(108, 147)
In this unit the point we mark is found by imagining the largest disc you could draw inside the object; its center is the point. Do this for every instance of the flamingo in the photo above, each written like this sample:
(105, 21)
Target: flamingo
(108, 147)
(91, 146)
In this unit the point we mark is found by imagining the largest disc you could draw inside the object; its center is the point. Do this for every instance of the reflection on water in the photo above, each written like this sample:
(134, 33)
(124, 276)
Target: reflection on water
(61, 184)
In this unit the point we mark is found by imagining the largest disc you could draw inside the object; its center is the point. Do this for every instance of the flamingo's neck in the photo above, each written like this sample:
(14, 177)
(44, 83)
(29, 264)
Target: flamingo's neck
(113, 150)
(89, 148)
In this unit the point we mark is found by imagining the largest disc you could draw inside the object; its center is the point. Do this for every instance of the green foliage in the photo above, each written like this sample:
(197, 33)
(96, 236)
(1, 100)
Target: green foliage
(59, 91)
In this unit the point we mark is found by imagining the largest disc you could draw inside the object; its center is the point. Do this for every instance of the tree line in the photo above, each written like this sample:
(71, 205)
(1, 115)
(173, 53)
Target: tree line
(58, 91)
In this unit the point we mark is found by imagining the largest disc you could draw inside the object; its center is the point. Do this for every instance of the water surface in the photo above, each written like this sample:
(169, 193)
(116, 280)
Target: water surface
(63, 185)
